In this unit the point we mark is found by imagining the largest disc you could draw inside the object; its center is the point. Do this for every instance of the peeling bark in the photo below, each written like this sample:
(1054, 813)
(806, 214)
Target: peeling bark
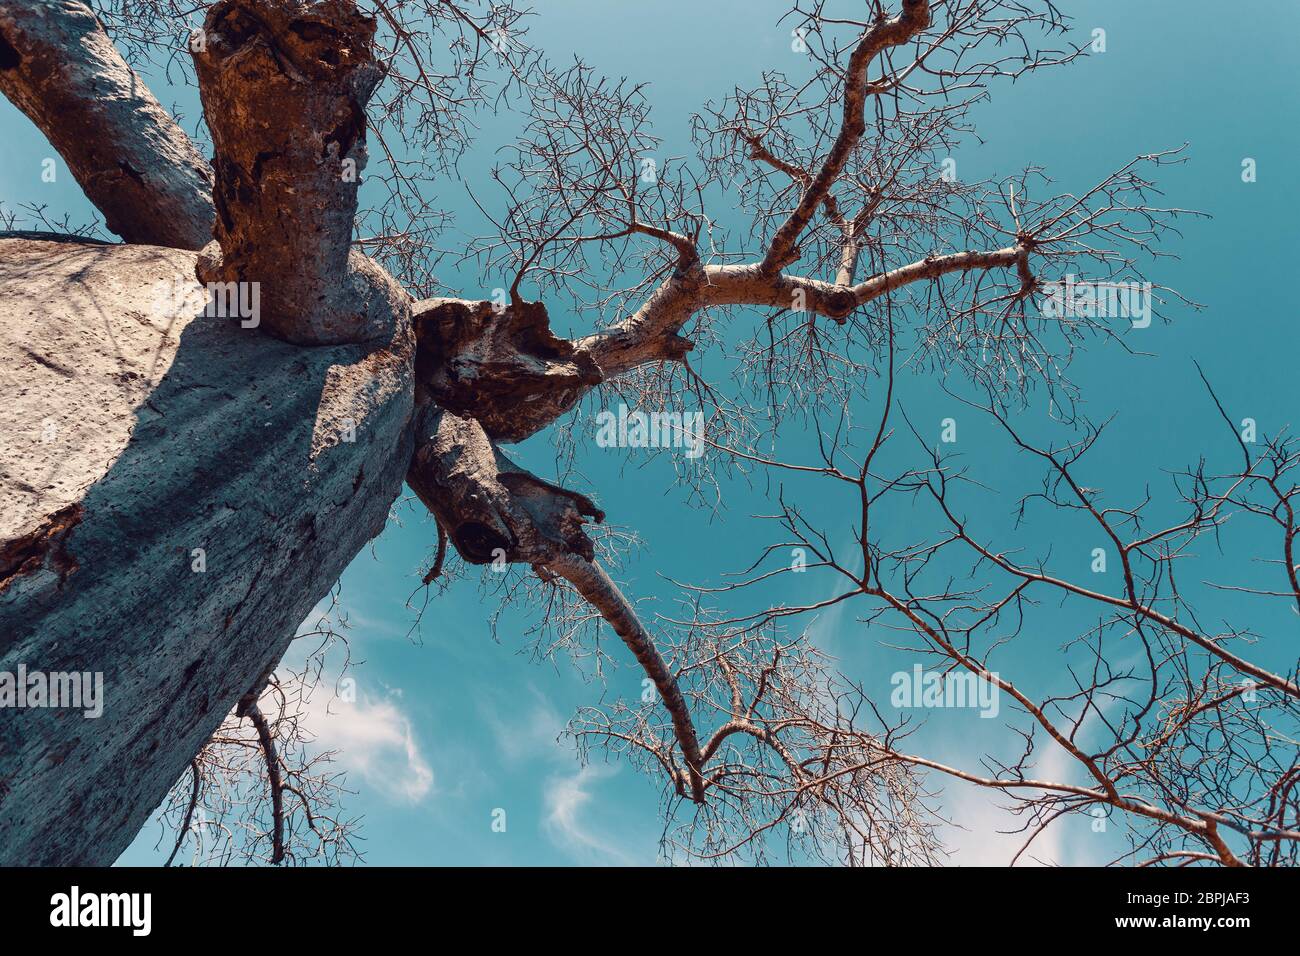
(43, 548)
(134, 163)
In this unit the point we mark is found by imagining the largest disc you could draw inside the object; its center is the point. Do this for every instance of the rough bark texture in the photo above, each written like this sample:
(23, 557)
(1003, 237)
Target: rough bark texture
(135, 164)
(134, 432)
(505, 368)
(284, 87)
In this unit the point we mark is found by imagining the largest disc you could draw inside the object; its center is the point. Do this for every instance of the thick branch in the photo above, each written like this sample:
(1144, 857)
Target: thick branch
(134, 163)
(503, 367)
(490, 508)
(495, 511)
(651, 333)
(591, 581)
(284, 86)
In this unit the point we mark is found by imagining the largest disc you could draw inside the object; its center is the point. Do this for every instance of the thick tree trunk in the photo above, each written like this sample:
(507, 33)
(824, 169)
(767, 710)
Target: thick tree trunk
(135, 164)
(138, 436)
(178, 490)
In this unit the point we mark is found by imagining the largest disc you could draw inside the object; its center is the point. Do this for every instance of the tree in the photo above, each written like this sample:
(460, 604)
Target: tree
(865, 258)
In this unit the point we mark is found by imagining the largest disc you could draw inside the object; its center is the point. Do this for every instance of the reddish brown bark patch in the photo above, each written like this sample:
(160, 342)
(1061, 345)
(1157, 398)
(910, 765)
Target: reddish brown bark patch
(28, 553)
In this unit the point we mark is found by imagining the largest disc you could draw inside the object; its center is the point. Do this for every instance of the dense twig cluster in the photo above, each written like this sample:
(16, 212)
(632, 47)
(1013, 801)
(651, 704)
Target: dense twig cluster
(1170, 721)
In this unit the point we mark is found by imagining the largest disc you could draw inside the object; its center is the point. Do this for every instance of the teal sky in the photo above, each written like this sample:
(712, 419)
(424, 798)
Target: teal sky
(454, 725)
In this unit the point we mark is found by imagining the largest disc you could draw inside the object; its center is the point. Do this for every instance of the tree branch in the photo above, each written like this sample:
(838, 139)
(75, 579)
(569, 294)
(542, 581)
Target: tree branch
(284, 87)
(248, 708)
(651, 333)
(491, 509)
(896, 31)
(184, 830)
(501, 366)
(134, 163)
(591, 581)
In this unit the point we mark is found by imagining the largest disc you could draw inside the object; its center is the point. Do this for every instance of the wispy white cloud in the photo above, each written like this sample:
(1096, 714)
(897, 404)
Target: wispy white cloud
(375, 741)
(990, 835)
(526, 730)
(569, 820)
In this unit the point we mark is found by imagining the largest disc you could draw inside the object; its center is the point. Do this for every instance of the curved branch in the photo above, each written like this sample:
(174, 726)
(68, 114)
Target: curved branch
(651, 333)
(591, 581)
(273, 778)
(896, 31)
(495, 511)
(184, 829)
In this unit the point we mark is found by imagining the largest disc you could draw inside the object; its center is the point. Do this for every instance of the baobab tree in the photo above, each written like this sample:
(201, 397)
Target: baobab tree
(192, 471)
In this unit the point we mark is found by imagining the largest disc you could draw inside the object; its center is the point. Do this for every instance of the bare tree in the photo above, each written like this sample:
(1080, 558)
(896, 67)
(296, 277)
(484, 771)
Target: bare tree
(863, 260)
(1193, 748)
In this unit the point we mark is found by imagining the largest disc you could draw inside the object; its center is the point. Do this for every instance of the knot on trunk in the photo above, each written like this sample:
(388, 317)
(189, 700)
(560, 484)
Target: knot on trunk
(839, 303)
(307, 39)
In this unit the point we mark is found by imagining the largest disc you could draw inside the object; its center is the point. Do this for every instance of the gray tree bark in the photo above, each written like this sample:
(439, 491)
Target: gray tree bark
(136, 432)
(178, 488)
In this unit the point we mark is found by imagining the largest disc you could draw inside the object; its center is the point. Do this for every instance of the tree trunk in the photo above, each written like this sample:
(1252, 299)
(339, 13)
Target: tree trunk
(176, 493)
(179, 489)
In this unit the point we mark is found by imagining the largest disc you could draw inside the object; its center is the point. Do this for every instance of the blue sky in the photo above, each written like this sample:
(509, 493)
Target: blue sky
(455, 725)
